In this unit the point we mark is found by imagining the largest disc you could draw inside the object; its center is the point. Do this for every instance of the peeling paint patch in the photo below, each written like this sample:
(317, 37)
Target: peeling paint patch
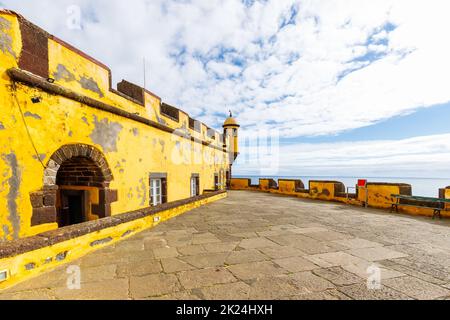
(142, 192)
(161, 121)
(32, 115)
(135, 132)
(163, 144)
(62, 73)
(101, 241)
(61, 256)
(130, 194)
(85, 120)
(2, 127)
(6, 232)
(30, 266)
(106, 134)
(13, 194)
(70, 133)
(127, 233)
(5, 38)
(91, 85)
(41, 157)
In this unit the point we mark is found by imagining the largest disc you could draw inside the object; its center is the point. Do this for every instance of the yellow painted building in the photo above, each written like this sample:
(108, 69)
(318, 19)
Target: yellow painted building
(74, 149)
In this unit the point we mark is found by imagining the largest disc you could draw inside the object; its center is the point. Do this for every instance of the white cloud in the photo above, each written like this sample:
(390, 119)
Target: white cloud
(415, 157)
(285, 76)
(337, 65)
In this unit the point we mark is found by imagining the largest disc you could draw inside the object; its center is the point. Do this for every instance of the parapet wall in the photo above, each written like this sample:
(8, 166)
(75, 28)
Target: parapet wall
(375, 194)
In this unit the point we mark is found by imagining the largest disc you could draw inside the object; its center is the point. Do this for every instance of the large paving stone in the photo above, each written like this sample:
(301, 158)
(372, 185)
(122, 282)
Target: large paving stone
(279, 252)
(325, 295)
(180, 295)
(417, 274)
(130, 245)
(155, 243)
(116, 289)
(310, 282)
(165, 252)
(206, 260)
(205, 277)
(228, 291)
(245, 256)
(54, 279)
(334, 259)
(270, 288)
(358, 243)
(37, 294)
(220, 247)
(204, 238)
(307, 244)
(256, 270)
(338, 276)
(191, 250)
(99, 259)
(153, 285)
(140, 268)
(307, 230)
(254, 243)
(295, 264)
(417, 288)
(377, 253)
(361, 292)
(328, 235)
(98, 273)
(171, 265)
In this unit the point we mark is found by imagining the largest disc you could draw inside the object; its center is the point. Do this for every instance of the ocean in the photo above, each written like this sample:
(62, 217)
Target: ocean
(427, 187)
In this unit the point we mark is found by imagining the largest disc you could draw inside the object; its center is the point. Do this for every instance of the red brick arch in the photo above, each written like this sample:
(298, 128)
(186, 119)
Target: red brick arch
(71, 151)
(44, 201)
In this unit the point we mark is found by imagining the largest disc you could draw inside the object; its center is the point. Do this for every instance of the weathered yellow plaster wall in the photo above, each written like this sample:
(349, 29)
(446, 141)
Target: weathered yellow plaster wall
(133, 150)
(322, 190)
(264, 184)
(379, 195)
(286, 186)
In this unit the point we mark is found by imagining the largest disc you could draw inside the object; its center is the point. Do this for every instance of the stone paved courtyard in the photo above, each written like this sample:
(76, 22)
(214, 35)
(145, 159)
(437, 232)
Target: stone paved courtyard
(261, 246)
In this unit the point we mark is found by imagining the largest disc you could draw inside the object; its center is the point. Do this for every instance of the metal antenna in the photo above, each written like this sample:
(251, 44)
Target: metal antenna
(231, 114)
(145, 76)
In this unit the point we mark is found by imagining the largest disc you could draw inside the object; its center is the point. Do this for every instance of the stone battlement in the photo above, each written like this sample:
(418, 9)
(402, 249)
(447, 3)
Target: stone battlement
(374, 194)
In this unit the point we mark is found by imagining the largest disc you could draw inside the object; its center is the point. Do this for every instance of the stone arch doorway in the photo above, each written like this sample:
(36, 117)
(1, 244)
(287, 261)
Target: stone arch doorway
(76, 187)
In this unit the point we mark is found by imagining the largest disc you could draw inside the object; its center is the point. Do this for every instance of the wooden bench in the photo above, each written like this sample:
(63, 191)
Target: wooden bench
(437, 204)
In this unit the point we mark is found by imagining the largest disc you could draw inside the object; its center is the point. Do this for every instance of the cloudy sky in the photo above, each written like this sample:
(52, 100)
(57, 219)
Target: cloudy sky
(351, 87)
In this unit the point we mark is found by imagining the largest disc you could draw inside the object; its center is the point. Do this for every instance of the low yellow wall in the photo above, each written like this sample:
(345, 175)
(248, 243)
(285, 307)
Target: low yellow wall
(289, 186)
(239, 184)
(45, 258)
(324, 190)
(266, 184)
(378, 194)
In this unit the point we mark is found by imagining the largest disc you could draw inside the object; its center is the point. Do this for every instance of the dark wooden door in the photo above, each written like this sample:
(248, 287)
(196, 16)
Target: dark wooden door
(72, 208)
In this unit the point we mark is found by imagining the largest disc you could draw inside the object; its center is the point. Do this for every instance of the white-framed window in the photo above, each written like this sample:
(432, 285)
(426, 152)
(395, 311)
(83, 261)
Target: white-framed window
(156, 191)
(195, 185)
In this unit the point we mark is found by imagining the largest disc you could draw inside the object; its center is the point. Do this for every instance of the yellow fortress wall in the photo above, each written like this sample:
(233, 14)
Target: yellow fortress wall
(58, 106)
